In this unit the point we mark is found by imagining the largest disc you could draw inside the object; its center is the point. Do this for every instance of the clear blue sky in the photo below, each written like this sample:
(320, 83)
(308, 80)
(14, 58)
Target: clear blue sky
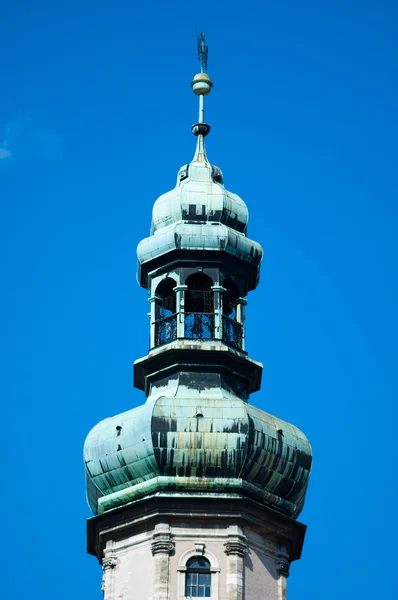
(95, 116)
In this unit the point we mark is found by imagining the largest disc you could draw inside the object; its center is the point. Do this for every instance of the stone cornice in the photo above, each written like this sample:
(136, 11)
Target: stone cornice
(141, 515)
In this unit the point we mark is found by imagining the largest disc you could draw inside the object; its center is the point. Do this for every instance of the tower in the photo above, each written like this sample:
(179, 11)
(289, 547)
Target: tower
(196, 492)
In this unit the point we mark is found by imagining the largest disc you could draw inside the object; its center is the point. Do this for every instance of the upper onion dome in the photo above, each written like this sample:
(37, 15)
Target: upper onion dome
(200, 197)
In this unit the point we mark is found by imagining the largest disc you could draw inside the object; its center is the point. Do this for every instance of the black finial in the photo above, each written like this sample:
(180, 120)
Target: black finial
(203, 51)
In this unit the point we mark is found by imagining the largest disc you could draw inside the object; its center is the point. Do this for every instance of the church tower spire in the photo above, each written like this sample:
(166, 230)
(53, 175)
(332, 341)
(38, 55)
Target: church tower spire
(201, 86)
(196, 492)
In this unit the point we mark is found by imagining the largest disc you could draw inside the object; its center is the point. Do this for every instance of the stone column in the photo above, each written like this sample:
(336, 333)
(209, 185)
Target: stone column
(235, 548)
(180, 309)
(217, 291)
(109, 562)
(162, 546)
(152, 300)
(240, 317)
(282, 565)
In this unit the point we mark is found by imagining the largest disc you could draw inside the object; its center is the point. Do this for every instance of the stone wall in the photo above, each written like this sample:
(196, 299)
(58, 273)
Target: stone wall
(149, 563)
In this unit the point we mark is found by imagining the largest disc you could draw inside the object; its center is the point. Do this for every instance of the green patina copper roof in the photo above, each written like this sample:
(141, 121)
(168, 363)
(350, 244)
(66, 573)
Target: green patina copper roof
(174, 446)
(197, 435)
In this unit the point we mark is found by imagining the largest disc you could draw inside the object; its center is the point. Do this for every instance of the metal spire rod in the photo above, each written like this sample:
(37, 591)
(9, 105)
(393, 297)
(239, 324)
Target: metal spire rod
(201, 109)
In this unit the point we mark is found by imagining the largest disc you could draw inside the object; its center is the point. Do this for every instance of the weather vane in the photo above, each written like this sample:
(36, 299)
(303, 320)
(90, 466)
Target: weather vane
(203, 52)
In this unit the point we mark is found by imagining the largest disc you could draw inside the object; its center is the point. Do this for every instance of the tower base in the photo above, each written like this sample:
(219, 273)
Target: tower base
(145, 547)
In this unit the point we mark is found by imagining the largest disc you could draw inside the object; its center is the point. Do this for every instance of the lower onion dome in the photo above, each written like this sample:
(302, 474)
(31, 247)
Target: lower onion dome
(174, 446)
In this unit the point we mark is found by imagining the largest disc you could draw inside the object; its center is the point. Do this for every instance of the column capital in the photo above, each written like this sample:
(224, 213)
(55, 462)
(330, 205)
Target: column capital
(282, 565)
(162, 542)
(180, 288)
(154, 299)
(109, 562)
(218, 288)
(236, 545)
(241, 301)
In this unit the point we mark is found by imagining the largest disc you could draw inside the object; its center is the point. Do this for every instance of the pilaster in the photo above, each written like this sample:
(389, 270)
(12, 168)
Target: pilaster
(109, 562)
(180, 309)
(240, 317)
(162, 547)
(235, 549)
(217, 291)
(282, 568)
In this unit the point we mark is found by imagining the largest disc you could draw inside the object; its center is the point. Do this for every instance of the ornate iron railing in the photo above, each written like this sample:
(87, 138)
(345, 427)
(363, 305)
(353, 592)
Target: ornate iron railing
(199, 326)
(232, 332)
(165, 330)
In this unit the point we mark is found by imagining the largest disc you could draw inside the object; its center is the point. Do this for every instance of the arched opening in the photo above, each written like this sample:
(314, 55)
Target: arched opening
(199, 307)
(198, 578)
(167, 297)
(199, 297)
(165, 312)
(232, 330)
(229, 298)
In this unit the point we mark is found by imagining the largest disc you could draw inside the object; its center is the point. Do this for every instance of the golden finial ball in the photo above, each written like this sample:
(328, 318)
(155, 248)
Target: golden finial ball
(201, 84)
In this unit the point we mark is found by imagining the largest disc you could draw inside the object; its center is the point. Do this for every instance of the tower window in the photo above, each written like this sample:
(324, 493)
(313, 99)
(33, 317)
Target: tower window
(198, 578)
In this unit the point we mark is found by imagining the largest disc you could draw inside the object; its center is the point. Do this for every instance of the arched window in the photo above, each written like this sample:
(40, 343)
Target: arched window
(198, 574)
(198, 578)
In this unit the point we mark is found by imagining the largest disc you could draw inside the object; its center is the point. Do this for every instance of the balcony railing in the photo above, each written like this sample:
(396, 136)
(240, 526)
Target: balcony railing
(199, 326)
(165, 330)
(232, 332)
